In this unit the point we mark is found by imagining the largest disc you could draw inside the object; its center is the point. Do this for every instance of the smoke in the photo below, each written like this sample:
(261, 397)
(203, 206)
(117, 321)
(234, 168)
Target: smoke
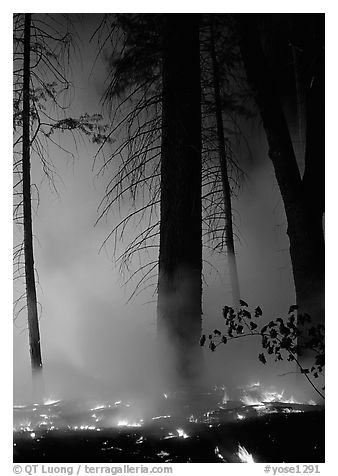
(96, 347)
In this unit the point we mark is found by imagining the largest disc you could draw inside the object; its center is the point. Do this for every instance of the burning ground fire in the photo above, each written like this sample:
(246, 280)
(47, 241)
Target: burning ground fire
(256, 395)
(244, 456)
(186, 420)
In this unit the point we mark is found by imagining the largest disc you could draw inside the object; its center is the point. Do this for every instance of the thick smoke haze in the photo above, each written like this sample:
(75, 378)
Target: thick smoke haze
(94, 345)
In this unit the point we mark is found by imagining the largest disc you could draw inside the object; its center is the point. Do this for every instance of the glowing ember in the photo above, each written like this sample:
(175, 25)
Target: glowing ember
(225, 398)
(240, 417)
(162, 454)
(181, 433)
(98, 407)
(192, 419)
(50, 401)
(170, 435)
(165, 395)
(160, 417)
(127, 423)
(33, 435)
(244, 455)
(255, 385)
(218, 454)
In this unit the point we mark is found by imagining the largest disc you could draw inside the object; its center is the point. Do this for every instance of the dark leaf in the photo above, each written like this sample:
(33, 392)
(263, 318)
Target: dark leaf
(262, 358)
(243, 303)
(320, 360)
(258, 311)
(284, 330)
(225, 311)
(245, 313)
(217, 332)
(202, 340)
(253, 326)
(224, 340)
(212, 346)
(294, 307)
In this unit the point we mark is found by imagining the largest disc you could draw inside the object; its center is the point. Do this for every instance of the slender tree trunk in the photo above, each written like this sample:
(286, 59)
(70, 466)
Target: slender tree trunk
(225, 179)
(300, 102)
(33, 323)
(303, 197)
(180, 258)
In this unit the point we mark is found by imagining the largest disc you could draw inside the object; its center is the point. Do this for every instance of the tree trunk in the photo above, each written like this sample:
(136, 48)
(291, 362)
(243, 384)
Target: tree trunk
(180, 258)
(303, 198)
(33, 323)
(225, 180)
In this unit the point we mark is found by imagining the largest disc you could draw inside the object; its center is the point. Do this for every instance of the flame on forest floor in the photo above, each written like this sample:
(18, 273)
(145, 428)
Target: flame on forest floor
(225, 397)
(50, 401)
(182, 433)
(244, 455)
(128, 423)
(219, 455)
(262, 396)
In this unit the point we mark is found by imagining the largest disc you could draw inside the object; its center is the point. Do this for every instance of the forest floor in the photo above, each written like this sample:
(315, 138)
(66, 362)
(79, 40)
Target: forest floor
(204, 429)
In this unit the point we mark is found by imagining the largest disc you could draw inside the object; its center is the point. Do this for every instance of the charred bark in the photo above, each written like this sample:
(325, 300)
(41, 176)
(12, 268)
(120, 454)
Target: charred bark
(303, 197)
(180, 257)
(33, 322)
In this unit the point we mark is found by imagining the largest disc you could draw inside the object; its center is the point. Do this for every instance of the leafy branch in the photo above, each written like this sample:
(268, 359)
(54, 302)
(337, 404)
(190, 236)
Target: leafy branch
(280, 338)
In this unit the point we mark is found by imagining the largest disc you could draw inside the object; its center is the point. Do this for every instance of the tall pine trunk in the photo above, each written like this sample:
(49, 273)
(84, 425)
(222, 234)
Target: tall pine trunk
(229, 235)
(180, 257)
(303, 197)
(33, 323)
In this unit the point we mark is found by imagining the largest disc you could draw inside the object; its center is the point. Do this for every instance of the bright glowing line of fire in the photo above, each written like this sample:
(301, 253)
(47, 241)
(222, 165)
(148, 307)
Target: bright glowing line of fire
(127, 423)
(160, 417)
(98, 407)
(244, 455)
(50, 401)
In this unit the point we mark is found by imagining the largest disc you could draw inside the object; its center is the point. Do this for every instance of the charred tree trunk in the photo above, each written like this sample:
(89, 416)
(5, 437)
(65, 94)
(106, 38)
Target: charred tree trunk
(225, 179)
(180, 258)
(303, 197)
(33, 323)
